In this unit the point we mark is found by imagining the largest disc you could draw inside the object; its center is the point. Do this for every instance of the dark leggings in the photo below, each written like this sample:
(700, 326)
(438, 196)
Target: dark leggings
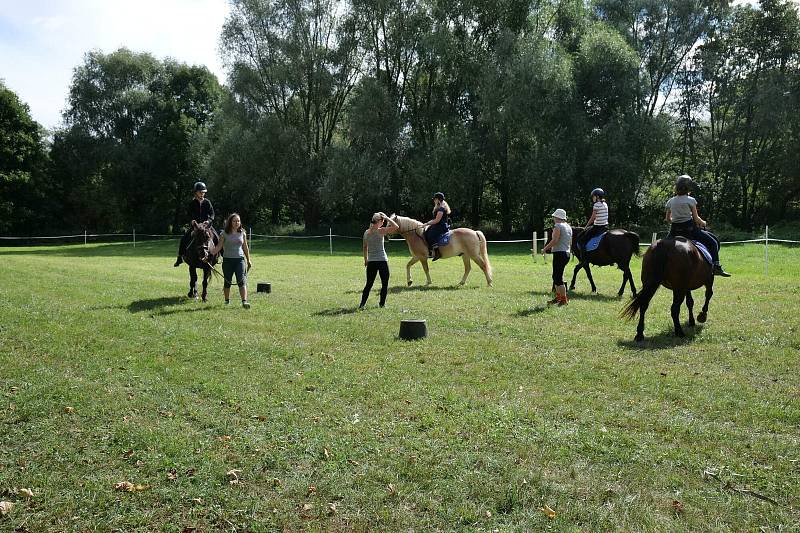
(560, 260)
(373, 268)
(690, 231)
(587, 235)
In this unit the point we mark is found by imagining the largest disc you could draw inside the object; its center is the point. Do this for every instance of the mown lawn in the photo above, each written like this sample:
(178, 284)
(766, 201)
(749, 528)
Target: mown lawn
(302, 413)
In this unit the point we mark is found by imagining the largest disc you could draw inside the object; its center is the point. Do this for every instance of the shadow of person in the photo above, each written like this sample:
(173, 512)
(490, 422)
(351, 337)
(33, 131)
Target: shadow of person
(337, 311)
(530, 311)
(150, 304)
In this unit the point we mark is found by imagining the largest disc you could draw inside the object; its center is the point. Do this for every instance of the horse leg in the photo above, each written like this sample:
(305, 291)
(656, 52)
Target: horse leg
(575, 275)
(630, 279)
(690, 307)
(467, 268)
(704, 312)
(408, 270)
(588, 270)
(427, 272)
(192, 283)
(626, 274)
(677, 301)
(640, 327)
(206, 276)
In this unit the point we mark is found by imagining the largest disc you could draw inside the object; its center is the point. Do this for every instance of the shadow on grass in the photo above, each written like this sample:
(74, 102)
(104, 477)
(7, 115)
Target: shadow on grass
(665, 339)
(202, 306)
(530, 311)
(425, 288)
(336, 311)
(150, 304)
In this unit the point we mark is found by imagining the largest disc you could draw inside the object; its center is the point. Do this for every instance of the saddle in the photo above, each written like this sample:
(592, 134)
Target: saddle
(444, 240)
(703, 251)
(594, 242)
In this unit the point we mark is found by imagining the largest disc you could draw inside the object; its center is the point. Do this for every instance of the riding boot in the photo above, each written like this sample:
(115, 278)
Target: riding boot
(178, 261)
(436, 253)
(719, 271)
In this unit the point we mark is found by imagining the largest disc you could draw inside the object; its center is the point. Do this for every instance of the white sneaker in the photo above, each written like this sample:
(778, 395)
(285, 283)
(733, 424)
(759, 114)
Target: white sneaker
(227, 302)
(245, 304)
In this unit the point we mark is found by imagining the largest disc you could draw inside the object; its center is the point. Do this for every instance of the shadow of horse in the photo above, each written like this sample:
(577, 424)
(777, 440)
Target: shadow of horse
(149, 304)
(594, 296)
(522, 313)
(337, 311)
(665, 339)
(425, 288)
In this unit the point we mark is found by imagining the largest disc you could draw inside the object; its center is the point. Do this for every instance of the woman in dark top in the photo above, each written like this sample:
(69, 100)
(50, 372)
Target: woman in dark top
(200, 210)
(437, 226)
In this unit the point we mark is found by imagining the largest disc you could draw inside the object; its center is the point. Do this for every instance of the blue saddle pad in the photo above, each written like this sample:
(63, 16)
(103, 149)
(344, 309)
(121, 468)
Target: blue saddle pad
(444, 240)
(594, 242)
(703, 251)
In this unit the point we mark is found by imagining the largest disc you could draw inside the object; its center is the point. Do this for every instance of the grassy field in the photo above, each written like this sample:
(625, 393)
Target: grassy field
(302, 413)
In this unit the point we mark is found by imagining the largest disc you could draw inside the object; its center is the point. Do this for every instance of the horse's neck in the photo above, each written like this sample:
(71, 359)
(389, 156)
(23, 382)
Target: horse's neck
(409, 225)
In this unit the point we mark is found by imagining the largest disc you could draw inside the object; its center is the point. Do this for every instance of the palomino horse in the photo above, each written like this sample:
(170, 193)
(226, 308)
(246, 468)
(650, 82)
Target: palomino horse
(676, 264)
(467, 243)
(198, 255)
(617, 246)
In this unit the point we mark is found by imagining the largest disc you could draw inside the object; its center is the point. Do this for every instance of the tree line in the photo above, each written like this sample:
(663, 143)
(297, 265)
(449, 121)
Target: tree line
(333, 110)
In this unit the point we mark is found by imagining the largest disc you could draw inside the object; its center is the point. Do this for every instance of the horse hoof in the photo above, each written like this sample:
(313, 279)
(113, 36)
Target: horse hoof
(409, 283)
(691, 323)
(639, 338)
(680, 334)
(204, 300)
(701, 318)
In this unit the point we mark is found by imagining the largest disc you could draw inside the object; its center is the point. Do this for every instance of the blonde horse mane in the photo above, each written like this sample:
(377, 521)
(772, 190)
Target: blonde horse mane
(407, 225)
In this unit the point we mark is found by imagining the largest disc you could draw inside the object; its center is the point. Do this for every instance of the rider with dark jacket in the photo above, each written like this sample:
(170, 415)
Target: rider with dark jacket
(200, 210)
(686, 222)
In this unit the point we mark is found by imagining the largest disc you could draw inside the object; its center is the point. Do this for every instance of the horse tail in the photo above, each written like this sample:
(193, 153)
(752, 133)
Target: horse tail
(656, 259)
(485, 253)
(634, 238)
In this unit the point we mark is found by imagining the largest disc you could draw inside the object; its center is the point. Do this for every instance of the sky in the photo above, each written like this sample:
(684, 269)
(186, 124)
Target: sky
(41, 41)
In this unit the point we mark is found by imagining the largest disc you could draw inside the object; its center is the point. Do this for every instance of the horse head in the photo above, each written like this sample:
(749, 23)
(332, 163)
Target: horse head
(202, 241)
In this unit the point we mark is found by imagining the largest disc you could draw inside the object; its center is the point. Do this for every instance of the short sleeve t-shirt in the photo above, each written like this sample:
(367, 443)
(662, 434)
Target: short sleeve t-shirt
(375, 249)
(601, 218)
(681, 208)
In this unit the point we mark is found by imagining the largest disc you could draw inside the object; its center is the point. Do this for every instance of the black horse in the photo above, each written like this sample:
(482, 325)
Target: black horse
(678, 265)
(198, 255)
(617, 247)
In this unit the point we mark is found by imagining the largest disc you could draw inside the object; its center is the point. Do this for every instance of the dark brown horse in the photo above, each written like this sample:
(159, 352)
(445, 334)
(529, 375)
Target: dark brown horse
(678, 265)
(617, 247)
(198, 255)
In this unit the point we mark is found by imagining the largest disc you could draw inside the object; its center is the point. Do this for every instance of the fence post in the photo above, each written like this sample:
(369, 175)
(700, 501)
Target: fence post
(534, 247)
(766, 251)
(84, 237)
(544, 257)
(134, 237)
(330, 238)
(655, 238)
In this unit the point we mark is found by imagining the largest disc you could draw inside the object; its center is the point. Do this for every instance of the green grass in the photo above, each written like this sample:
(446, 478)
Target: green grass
(507, 406)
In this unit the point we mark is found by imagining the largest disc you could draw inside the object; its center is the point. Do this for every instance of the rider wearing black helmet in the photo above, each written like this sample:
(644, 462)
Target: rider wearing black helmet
(686, 222)
(598, 222)
(200, 210)
(437, 226)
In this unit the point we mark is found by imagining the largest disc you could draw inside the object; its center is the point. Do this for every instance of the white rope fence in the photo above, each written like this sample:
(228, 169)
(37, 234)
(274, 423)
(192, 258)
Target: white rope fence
(535, 240)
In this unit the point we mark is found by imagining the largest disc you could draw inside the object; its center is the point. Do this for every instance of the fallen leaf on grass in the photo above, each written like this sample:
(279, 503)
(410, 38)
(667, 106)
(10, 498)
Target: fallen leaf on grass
(190, 472)
(28, 493)
(488, 514)
(127, 486)
(172, 475)
(225, 438)
(5, 508)
(189, 529)
(260, 418)
(392, 489)
(128, 454)
(326, 452)
(312, 490)
(69, 410)
(548, 511)
(353, 462)
(234, 475)
(677, 506)
(331, 508)
(197, 501)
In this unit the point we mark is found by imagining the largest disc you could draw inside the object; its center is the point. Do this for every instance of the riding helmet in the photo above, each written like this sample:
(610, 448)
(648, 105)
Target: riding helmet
(200, 187)
(598, 192)
(439, 196)
(683, 183)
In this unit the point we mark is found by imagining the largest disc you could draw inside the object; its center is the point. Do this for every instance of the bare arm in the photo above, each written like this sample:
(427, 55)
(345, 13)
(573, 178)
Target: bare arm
(553, 240)
(364, 249)
(246, 249)
(668, 215)
(436, 219)
(392, 226)
(591, 218)
(218, 247)
(696, 217)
